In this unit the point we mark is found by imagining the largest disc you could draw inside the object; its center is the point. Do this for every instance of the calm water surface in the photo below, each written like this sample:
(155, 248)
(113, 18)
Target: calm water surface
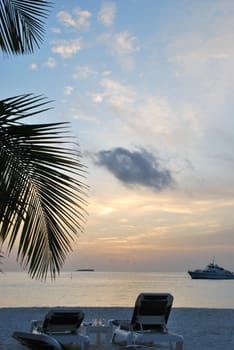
(113, 289)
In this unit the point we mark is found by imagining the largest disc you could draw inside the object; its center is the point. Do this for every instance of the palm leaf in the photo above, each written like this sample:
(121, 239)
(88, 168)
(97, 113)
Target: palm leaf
(21, 25)
(42, 195)
(1, 257)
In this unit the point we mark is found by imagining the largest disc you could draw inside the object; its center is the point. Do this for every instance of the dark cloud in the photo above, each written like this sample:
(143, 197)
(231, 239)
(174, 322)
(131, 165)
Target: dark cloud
(138, 167)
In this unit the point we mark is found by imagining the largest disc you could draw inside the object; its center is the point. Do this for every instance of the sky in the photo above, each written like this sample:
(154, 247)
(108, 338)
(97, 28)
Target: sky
(147, 86)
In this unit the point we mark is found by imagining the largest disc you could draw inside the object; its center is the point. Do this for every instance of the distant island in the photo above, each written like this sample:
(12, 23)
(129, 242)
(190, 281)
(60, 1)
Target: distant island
(85, 270)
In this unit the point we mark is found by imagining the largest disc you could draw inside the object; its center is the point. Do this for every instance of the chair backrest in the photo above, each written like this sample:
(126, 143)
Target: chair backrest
(152, 311)
(57, 321)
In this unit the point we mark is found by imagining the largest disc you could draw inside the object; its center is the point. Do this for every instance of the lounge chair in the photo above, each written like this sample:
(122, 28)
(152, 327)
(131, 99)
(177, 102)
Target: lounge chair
(59, 329)
(149, 323)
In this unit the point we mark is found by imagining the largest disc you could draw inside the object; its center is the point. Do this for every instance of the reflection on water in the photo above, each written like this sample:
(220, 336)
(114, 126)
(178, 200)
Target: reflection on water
(113, 289)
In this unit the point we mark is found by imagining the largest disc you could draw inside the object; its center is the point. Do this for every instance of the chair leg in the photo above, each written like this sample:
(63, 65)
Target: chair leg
(84, 345)
(179, 345)
(130, 339)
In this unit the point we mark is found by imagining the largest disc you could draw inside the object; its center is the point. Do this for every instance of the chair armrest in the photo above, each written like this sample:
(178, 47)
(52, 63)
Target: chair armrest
(36, 325)
(122, 324)
(126, 326)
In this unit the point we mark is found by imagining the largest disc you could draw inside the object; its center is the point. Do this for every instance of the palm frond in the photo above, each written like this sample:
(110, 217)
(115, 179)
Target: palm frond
(21, 25)
(1, 257)
(41, 187)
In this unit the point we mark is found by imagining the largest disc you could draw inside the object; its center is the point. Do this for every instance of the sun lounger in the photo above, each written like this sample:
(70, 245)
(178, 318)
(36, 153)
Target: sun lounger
(148, 325)
(59, 329)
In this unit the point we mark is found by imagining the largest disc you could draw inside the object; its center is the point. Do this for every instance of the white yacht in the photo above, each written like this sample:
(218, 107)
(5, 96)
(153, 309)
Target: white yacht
(212, 271)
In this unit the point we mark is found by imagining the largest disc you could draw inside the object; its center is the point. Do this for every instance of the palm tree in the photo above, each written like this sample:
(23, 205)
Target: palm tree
(21, 25)
(41, 192)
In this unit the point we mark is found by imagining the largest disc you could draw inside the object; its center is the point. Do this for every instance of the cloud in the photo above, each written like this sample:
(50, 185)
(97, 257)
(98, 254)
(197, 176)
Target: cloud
(68, 90)
(107, 14)
(67, 48)
(83, 72)
(33, 66)
(97, 98)
(50, 63)
(107, 72)
(56, 30)
(78, 20)
(204, 50)
(122, 46)
(124, 43)
(117, 95)
(139, 168)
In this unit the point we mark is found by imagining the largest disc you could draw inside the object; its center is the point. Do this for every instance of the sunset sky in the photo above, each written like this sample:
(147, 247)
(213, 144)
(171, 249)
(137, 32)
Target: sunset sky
(148, 88)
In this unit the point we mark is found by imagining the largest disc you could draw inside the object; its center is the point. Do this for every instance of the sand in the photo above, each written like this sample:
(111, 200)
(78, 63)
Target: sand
(202, 329)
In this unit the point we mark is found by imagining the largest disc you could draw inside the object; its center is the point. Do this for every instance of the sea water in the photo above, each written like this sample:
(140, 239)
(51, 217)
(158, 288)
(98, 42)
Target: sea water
(100, 289)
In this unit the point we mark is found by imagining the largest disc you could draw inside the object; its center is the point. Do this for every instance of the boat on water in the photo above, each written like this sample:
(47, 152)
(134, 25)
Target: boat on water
(213, 272)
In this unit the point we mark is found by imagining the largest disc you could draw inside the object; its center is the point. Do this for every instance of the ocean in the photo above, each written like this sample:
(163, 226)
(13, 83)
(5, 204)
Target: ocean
(109, 289)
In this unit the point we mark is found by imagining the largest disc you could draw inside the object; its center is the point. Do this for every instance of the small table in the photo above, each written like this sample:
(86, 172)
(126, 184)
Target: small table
(100, 332)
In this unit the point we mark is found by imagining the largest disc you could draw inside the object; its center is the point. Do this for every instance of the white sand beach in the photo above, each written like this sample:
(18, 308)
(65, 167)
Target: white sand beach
(202, 329)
